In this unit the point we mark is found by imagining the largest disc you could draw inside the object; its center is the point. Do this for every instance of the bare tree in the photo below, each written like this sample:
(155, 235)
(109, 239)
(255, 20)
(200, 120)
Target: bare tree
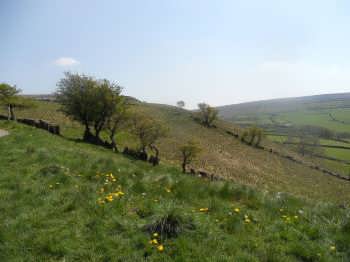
(189, 152)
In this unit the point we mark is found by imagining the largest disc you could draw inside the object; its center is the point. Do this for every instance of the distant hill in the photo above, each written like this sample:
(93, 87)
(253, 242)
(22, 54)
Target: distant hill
(316, 102)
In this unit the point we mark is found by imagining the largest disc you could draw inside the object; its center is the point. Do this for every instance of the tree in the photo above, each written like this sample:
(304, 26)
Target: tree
(9, 96)
(189, 152)
(207, 114)
(148, 131)
(117, 121)
(89, 101)
(255, 134)
(180, 104)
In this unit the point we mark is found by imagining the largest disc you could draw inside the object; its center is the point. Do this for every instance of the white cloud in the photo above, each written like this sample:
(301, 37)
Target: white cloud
(66, 61)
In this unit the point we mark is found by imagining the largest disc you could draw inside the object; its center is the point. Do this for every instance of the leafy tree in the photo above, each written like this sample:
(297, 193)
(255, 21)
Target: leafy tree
(89, 101)
(207, 114)
(180, 104)
(148, 131)
(253, 134)
(189, 152)
(9, 96)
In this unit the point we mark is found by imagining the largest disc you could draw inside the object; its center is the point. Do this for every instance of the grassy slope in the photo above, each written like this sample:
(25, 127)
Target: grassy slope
(49, 210)
(313, 110)
(222, 154)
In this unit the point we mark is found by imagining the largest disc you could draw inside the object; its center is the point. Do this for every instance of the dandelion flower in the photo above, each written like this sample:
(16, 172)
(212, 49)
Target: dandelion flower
(154, 241)
(237, 210)
(160, 248)
(109, 198)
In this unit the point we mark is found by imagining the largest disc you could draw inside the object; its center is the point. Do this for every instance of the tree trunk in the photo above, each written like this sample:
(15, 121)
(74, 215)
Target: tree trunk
(184, 164)
(87, 133)
(183, 167)
(9, 112)
(113, 143)
(12, 112)
(251, 140)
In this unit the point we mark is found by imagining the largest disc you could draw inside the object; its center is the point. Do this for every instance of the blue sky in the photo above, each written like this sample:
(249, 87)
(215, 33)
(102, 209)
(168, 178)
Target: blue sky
(219, 52)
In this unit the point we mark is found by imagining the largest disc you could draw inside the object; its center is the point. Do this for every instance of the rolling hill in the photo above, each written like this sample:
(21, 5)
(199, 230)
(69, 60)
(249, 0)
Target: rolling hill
(317, 115)
(223, 155)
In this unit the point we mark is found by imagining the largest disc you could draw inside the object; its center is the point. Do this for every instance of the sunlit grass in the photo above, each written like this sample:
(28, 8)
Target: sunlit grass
(63, 200)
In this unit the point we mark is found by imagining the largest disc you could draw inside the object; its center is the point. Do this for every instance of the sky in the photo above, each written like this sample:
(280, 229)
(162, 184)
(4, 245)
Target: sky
(219, 52)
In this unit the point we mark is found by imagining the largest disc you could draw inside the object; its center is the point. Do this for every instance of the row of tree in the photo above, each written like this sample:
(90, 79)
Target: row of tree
(99, 106)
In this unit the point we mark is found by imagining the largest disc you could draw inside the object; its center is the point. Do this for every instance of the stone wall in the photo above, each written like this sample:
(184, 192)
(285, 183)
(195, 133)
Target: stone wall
(38, 123)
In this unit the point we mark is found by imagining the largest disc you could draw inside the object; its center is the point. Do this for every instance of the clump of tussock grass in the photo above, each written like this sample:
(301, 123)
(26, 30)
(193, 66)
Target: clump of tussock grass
(170, 225)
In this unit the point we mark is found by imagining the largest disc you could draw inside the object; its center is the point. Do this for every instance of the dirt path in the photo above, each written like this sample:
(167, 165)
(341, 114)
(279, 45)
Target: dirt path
(3, 133)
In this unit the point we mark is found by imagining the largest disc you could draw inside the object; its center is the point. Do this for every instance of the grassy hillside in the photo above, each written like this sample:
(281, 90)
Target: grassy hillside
(280, 117)
(59, 202)
(222, 154)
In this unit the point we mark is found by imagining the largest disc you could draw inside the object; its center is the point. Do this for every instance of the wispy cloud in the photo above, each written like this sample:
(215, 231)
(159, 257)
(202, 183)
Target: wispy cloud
(66, 61)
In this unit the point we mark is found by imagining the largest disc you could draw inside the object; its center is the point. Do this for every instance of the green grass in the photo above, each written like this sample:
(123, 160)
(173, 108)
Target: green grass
(342, 154)
(319, 118)
(222, 154)
(49, 207)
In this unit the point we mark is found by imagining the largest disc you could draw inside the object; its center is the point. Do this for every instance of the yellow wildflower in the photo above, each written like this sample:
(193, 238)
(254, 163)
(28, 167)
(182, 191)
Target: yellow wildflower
(154, 241)
(160, 248)
(204, 209)
(118, 194)
(296, 217)
(332, 248)
(109, 198)
(237, 210)
(155, 234)
(168, 190)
